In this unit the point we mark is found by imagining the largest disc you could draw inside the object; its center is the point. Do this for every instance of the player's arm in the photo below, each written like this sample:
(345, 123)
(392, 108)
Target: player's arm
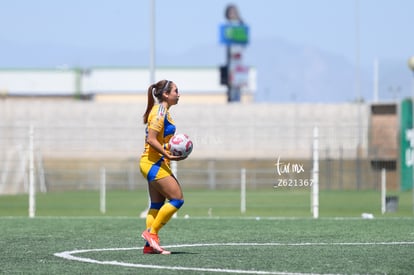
(154, 143)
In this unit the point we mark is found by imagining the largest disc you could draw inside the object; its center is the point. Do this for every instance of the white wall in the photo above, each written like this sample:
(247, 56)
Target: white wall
(111, 80)
(249, 131)
(37, 82)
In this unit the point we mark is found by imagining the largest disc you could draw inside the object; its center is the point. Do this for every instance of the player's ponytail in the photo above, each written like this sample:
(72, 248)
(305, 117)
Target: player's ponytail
(155, 91)
(150, 102)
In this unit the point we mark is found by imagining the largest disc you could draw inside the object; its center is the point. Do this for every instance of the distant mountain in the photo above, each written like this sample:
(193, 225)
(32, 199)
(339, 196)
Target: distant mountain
(304, 74)
(286, 72)
(51, 56)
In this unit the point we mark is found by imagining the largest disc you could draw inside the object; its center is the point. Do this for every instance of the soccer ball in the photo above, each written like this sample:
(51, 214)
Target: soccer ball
(180, 145)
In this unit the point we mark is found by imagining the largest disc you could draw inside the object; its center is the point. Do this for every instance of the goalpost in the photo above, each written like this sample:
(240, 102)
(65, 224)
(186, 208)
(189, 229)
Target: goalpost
(32, 173)
(315, 179)
(243, 190)
(32, 187)
(102, 191)
(315, 175)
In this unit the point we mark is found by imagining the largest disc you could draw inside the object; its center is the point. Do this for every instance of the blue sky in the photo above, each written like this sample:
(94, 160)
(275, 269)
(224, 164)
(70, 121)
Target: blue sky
(367, 29)
(385, 26)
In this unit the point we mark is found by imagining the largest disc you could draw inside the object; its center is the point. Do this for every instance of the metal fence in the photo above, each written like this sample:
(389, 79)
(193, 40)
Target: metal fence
(73, 141)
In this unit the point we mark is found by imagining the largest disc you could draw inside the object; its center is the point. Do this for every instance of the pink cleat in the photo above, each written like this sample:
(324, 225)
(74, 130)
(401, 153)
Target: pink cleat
(154, 242)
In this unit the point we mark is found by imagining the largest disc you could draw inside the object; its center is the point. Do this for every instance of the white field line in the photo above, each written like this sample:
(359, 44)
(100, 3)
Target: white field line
(69, 255)
(205, 218)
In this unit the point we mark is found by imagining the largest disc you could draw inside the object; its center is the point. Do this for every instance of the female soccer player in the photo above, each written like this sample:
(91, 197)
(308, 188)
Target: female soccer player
(155, 163)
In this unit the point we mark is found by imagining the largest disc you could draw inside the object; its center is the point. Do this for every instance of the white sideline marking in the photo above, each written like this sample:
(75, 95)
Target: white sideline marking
(69, 255)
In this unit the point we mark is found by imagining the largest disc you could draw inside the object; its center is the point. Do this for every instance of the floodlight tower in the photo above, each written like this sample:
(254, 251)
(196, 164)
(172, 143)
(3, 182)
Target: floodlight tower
(152, 42)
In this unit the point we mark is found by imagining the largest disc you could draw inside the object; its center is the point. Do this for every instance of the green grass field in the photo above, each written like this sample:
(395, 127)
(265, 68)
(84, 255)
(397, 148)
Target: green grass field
(275, 236)
(207, 203)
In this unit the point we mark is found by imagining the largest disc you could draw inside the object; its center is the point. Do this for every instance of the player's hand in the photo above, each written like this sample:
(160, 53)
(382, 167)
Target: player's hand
(175, 158)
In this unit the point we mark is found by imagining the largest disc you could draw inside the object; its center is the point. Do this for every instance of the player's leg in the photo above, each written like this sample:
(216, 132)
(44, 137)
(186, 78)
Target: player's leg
(167, 187)
(150, 171)
(170, 189)
(156, 202)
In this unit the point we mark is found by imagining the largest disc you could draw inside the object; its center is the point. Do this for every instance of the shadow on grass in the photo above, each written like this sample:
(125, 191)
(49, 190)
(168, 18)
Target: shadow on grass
(181, 252)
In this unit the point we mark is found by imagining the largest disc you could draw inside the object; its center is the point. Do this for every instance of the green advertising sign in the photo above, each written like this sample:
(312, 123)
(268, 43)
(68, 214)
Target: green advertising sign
(406, 145)
(234, 34)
